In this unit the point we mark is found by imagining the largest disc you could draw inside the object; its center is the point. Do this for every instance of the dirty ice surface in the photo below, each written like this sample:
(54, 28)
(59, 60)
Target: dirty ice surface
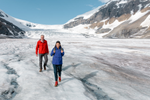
(93, 69)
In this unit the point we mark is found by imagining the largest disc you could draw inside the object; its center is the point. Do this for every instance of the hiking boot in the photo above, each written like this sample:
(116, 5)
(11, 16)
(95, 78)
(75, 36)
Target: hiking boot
(59, 79)
(44, 67)
(40, 70)
(56, 83)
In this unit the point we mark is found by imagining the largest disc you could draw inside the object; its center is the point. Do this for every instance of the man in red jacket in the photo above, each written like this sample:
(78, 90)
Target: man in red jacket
(42, 47)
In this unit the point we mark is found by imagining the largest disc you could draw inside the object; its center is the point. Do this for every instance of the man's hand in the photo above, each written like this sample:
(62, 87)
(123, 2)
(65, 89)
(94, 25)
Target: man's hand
(37, 55)
(54, 51)
(62, 51)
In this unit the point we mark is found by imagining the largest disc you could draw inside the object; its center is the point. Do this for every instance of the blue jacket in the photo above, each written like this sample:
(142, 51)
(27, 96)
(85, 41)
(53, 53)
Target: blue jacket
(57, 56)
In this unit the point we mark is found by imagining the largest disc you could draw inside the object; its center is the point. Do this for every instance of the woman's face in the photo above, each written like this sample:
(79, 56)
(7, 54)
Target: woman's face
(57, 45)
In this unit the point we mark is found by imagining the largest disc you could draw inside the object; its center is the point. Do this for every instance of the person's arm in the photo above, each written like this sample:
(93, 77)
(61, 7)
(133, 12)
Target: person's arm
(62, 52)
(52, 52)
(47, 47)
(37, 47)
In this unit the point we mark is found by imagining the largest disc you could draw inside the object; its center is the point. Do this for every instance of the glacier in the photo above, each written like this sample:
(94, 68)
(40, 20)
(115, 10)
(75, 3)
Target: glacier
(93, 69)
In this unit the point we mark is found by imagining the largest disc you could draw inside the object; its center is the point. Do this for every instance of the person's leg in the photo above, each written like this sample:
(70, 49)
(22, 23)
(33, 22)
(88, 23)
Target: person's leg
(40, 60)
(55, 72)
(46, 59)
(59, 70)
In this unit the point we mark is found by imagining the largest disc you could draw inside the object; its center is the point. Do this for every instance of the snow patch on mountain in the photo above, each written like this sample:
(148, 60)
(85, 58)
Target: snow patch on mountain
(121, 2)
(137, 16)
(146, 23)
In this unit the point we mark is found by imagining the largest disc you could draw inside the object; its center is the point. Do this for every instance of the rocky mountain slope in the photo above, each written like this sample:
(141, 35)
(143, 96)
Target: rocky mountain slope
(8, 26)
(116, 19)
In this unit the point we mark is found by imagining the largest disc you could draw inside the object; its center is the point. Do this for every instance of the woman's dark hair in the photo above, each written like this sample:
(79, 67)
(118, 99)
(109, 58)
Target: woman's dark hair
(57, 42)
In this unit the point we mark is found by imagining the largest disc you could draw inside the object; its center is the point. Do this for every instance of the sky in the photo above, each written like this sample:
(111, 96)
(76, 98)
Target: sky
(49, 12)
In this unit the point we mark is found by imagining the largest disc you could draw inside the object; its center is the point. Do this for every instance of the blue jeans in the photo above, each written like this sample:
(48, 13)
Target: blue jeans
(57, 69)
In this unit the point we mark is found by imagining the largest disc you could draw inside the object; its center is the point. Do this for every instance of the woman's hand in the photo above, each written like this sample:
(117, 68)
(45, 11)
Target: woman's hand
(62, 51)
(54, 51)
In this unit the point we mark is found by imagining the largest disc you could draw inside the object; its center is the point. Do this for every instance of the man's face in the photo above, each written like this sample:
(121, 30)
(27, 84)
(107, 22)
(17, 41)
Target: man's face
(42, 37)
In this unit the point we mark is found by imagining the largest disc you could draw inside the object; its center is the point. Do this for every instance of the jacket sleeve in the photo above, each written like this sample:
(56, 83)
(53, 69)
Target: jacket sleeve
(63, 53)
(52, 52)
(37, 47)
(47, 48)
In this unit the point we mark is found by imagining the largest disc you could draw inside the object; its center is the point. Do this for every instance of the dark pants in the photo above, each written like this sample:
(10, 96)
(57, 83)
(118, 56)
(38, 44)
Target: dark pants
(57, 68)
(41, 58)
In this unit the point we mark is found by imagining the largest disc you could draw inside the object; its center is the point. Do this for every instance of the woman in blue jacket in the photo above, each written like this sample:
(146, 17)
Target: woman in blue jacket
(57, 53)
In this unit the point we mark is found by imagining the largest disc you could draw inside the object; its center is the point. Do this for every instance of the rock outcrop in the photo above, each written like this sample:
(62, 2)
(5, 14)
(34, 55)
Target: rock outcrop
(9, 29)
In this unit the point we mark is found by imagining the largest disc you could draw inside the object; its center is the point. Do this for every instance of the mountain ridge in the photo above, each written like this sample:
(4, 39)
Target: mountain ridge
(112, 15)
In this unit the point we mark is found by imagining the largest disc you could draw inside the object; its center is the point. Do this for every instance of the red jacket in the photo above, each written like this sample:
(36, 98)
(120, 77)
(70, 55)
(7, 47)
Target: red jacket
(42, 47)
